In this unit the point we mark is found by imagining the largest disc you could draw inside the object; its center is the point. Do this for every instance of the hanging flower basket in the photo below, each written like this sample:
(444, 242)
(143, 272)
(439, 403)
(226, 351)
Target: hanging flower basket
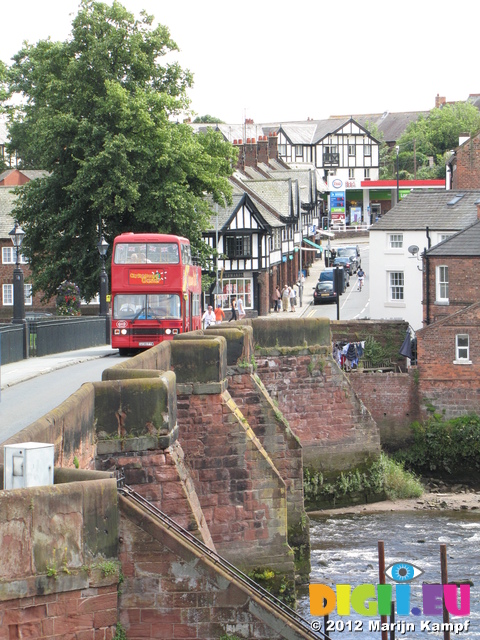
(68, 299)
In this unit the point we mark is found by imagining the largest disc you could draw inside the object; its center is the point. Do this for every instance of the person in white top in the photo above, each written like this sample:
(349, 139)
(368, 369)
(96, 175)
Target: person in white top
(241, 309)
(208, 317)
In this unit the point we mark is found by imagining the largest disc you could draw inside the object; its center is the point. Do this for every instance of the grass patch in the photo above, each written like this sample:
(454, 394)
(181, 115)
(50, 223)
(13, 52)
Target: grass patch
(398, 482)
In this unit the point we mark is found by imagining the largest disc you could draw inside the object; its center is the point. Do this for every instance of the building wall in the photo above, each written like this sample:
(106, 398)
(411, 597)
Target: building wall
(466, 174)
(463, 289)
(384, 260)
(444, 383)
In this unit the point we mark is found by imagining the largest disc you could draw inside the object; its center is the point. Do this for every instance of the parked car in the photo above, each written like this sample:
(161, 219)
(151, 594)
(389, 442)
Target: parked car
(345, 262)
(350, 252)
(327, 275)
(324, 292)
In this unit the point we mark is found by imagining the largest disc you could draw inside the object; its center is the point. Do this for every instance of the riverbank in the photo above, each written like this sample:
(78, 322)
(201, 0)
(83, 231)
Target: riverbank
(455, 498)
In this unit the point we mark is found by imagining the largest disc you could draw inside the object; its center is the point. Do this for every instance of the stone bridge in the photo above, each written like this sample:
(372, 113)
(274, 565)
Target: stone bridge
(212, 429)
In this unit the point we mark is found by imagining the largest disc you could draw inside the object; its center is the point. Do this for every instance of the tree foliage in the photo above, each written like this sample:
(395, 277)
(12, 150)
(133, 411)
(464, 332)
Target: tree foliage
(99, 114)
(426, 143)
(208, 119)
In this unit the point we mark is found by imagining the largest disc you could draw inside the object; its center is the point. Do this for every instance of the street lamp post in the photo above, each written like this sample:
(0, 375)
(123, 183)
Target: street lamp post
(17, 234)
(102, 247)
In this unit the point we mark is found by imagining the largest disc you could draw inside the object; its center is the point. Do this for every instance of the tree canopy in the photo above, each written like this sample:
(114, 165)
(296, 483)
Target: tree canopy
(425, 144)
(99, 114)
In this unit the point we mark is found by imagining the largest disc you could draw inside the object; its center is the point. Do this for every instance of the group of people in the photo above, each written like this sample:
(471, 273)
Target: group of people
(285, 298)
(217, 316)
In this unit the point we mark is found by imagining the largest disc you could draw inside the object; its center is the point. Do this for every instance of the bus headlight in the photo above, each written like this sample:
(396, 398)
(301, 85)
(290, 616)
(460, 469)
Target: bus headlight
(168, 331)
(123, 332)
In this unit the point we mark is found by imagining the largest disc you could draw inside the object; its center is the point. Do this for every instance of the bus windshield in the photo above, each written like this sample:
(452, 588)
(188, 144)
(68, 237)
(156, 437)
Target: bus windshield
(146, 253)
(159, 306)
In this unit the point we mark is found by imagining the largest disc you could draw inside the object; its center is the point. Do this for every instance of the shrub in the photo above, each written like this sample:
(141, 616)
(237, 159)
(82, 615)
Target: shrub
(443, 446)
(68, 299)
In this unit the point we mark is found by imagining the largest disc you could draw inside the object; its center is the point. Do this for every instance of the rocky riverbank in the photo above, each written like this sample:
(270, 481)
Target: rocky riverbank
(438, 496)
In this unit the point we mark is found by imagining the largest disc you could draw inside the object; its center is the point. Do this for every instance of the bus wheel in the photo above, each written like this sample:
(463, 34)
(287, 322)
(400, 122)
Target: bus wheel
(123, 352)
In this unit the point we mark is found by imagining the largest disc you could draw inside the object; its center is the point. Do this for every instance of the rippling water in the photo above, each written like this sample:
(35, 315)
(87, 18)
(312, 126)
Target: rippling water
(345, 551)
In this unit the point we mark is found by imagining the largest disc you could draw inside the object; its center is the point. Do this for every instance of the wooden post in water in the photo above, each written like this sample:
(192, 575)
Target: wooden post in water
(381, 576)
(443, 564)
(392, 620)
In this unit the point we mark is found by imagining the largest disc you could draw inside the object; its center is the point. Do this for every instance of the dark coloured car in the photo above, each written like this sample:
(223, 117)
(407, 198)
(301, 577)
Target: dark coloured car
(345, 262)
(349, 252)
(327, 275)
(324, 292)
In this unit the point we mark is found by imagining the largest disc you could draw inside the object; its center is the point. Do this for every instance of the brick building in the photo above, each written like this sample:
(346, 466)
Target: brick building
(8, 181)
(448, 346)
(464, 165)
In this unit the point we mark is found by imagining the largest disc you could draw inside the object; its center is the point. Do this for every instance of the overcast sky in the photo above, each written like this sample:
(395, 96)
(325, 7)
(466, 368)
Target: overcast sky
(278, 61)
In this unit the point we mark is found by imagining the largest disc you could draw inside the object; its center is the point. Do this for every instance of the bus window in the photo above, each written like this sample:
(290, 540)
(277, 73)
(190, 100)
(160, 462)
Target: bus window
(163, 306)
(125, 307)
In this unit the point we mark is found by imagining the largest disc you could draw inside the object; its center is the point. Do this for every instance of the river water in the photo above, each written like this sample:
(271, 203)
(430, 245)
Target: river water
(344, 550)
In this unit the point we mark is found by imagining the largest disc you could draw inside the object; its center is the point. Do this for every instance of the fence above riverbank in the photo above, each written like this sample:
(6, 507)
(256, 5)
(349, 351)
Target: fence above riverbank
(53, 335)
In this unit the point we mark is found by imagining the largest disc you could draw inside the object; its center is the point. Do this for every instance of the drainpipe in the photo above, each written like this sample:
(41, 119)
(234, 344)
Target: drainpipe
(427, 273)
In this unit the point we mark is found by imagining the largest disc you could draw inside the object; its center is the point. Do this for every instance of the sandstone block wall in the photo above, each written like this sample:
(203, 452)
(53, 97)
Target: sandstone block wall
(55, 544)
(336, 430)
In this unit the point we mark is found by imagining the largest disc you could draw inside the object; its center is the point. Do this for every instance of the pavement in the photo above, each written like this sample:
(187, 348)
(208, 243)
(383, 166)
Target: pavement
(22, 370)
(17, 372)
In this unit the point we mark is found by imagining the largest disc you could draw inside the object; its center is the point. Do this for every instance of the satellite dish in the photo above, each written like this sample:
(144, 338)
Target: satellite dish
(413, 249)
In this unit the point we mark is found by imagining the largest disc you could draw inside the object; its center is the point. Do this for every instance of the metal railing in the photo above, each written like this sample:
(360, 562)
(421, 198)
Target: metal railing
(280, 607)
(42, 337)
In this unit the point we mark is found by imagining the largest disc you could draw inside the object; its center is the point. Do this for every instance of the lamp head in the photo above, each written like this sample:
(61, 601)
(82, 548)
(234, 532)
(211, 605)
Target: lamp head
(102, 247)
(17, 234)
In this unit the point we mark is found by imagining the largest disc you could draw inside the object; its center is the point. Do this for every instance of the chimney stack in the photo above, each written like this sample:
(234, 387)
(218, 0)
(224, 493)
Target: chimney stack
(439, 101)
(272, 146)
(262, 149)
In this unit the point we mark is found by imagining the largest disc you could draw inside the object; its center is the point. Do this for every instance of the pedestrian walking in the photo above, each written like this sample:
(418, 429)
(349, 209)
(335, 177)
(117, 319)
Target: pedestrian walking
(278, 299)
(234, 309)
(285, 298)
(219, 313)
(293, 298)
(241, 308)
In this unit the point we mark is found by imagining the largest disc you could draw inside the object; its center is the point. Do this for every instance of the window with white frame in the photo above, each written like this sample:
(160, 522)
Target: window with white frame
(7, 295)
(351, 173)
(282, 149)
(396, 285)
(395, 240)
(236, 288)
(28, 294)
(276, 239)
(351, 150)
(442, 283)
(298, 150)
(366, 173)
(9, 256)
(443, 236)
(368, 149)
(462, 348)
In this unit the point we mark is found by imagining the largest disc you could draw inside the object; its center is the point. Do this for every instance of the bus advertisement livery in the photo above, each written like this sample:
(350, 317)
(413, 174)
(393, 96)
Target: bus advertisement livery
(156, 290)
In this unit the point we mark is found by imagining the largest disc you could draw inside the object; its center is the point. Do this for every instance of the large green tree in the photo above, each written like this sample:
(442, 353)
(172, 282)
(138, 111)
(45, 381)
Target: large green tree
(99, 113)
(425, 143)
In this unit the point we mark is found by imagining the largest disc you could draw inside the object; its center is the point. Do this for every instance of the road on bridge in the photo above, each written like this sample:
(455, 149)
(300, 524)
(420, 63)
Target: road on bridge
(23, 403)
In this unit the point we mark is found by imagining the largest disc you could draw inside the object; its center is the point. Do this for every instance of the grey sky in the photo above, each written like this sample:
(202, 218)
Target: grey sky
(275, 61)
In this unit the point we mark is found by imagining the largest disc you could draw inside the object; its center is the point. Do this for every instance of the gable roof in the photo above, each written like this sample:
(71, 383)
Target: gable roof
(392, 125)
(437, 209)
(7, 201)
(464, 243)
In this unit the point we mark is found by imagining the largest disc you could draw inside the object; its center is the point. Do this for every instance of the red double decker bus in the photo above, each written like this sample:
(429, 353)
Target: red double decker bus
(156, 290)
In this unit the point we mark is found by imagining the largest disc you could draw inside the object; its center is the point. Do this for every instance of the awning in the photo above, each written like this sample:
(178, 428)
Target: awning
(313, 244)
(329, 234)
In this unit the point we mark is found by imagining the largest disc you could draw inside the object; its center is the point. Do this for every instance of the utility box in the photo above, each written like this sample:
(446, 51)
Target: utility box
(28, 464)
